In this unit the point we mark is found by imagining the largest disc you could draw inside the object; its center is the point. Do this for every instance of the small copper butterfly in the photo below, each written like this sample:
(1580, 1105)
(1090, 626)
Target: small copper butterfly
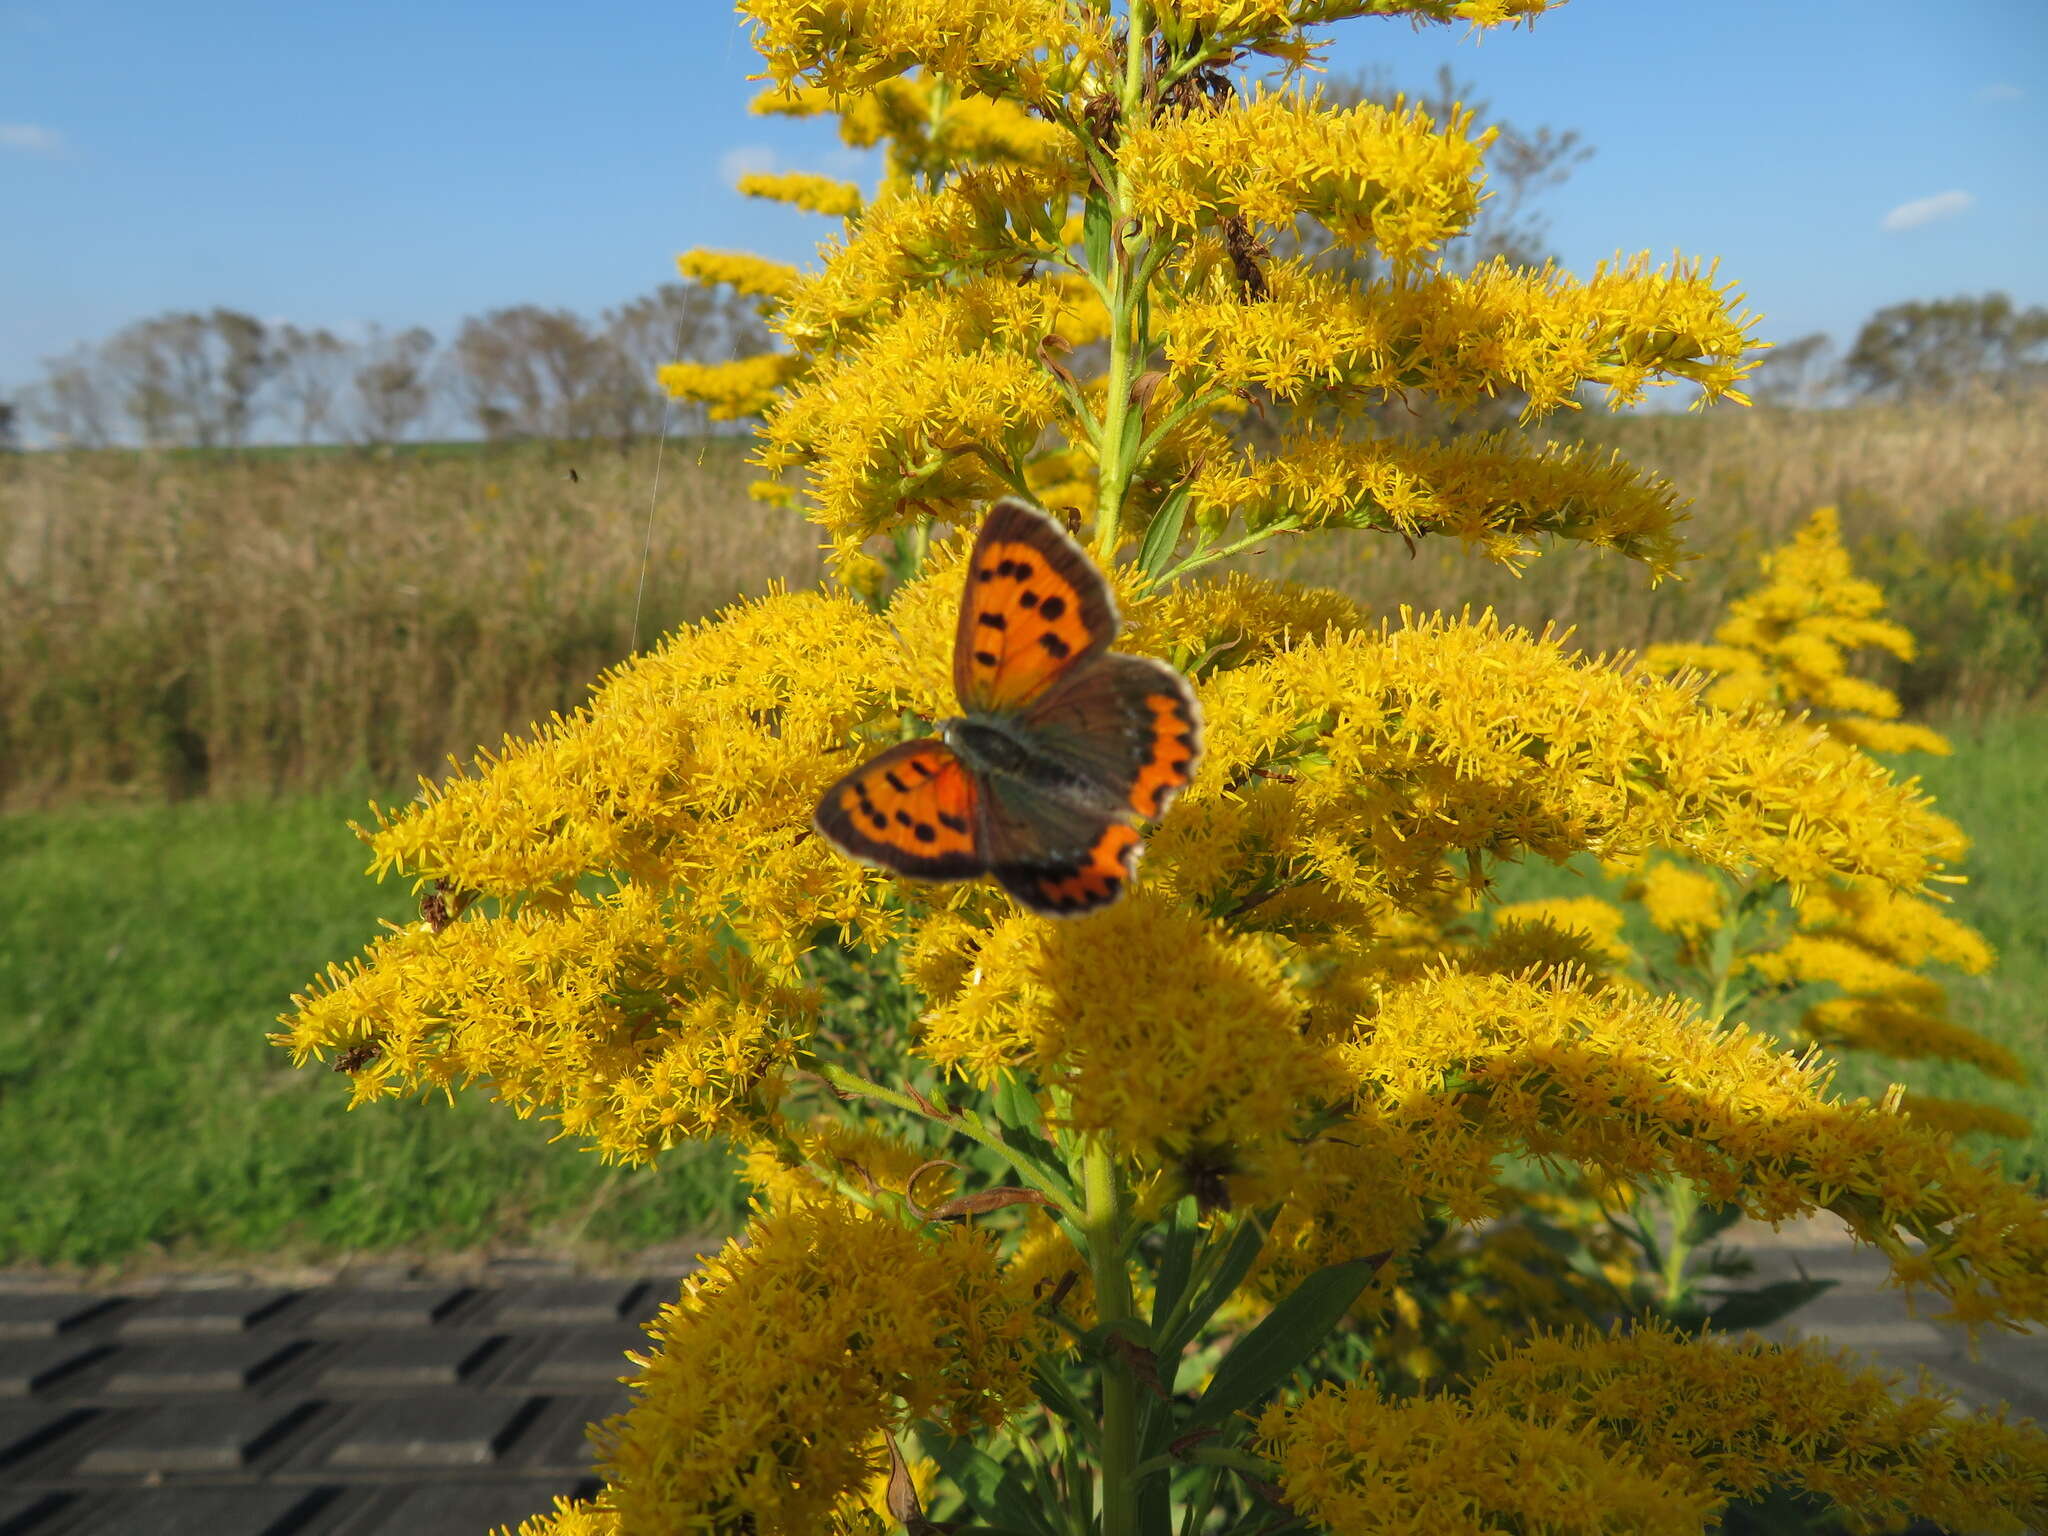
(1062, 744)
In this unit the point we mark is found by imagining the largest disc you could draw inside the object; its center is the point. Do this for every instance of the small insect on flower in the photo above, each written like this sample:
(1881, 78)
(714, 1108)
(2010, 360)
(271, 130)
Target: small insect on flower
(357, 1057)
(1063, 744)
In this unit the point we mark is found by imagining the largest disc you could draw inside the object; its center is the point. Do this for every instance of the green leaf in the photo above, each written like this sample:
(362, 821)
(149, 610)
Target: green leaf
(1237, 1263)
(1020, 1124)
(1052, 1390)
(1095, 229)
(1764, 1305)
(1710, 1222)
(1268, 1355)
(1176, 1259)
(1015, 1103)
(990, 1491)
(1162, 534)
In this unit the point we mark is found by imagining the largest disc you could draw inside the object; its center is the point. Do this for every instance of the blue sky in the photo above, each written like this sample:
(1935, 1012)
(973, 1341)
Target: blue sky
(410, 163)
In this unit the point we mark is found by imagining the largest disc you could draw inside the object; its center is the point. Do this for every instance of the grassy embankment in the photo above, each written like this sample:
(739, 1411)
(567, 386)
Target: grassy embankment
(144, 954)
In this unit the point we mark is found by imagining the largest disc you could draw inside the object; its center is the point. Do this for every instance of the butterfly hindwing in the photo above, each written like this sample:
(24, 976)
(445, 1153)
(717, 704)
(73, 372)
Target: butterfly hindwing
(1122, 735)
(1035, 609)
(1129, 724)
(914, 809)
(1080, 882)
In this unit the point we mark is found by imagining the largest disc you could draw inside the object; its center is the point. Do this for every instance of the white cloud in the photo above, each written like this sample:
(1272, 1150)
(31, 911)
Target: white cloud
(2001, 91)
(31, 139)
(1926, 210)
(745, 160)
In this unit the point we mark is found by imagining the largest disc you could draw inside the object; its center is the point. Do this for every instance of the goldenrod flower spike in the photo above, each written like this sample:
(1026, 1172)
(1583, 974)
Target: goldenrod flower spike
(1788, 645)
(751, 275)
(813, 194)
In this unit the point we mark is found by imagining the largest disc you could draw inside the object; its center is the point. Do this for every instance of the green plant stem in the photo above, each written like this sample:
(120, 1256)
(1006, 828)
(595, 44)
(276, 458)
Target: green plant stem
(967, 1124)
(1681, 1203)
(1210, 556)
(1113, 1305)
(1126, 290)
(1680, 1195)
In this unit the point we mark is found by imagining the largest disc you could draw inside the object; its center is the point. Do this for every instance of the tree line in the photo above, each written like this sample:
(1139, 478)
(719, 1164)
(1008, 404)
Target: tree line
(223, 379)
(1929, 349)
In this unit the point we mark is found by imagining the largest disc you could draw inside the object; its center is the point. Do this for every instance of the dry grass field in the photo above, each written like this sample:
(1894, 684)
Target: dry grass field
(1945, 504)
(179, 625)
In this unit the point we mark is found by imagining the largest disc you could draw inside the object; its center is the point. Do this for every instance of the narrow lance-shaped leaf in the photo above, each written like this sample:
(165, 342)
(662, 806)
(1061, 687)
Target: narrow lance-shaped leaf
(1268, 1355)
(992, 1493)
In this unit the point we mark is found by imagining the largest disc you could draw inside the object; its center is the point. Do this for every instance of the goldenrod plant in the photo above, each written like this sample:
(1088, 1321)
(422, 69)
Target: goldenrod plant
(1088, 1223)
(1788, 647)
(1836, 961)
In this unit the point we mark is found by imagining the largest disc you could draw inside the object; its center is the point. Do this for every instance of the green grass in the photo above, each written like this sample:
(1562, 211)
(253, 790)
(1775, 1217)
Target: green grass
(145, 952)
(1993, 786)
(144, 956)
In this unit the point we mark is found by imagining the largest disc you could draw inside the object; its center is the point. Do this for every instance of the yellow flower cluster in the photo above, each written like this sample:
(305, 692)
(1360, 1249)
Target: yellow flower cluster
(1238, 21)
(754, 275)
(1230, 620)
(1686, 902)
(800, 189)
(1384, 176)
(926, 129)
(1556, 931)
(1462, 337)
(631, 1027)
(1493, 492)
(934, 406)
(1786, 645)
(1360, 761)
(1738, 1419)
(1910, 1027)
(1360, 1464)
(983, 220)
(809, 1164)
(732, 391)
(652, 1010)
(1033, 50)
(1960, 1117)
(1270, 26)
(1455, 1069)
(789, 1354)
(1162, 1028)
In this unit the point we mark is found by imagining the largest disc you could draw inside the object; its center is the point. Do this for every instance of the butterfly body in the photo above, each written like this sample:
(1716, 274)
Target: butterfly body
(1011, 758)
(1061, 746)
